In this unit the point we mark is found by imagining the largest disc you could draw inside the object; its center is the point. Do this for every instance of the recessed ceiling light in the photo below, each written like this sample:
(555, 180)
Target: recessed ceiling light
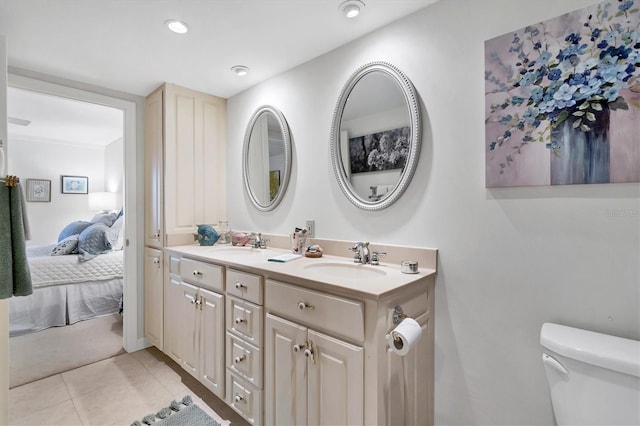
(351, 8)
(240, 70)
(176, 26)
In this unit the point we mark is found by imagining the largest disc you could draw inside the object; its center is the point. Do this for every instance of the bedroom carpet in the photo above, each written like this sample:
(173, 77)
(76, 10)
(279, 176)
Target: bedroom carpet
(58, 349)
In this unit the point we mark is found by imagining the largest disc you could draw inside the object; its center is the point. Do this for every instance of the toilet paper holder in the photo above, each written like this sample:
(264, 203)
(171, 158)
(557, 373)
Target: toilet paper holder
(398, 315)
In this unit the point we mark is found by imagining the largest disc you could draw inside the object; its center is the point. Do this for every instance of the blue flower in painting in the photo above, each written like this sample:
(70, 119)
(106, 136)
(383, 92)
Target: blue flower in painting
(506, 119)
(573, 38)
(626, 5)
(530, 114)
(612, 93)
(528, 79)
(544, 57)
(536, 94)
(573, 75)
(588, 91)
(554, 74)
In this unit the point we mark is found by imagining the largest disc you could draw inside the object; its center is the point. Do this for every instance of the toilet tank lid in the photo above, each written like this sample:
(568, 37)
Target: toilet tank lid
(611, 352)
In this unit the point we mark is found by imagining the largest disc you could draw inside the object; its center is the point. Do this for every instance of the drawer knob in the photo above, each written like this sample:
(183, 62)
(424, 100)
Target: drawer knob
(238, 398)
(298, 348)
(302, 306)
(156, 260)
(197, 273)
(239, 285)
(239, 359)
(239, 320)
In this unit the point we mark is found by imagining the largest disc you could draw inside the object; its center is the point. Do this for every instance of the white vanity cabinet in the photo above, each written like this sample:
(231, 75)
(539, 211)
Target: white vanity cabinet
(194, 320)
(297, 346)
(312, 377)
(244, 345)
(153, 296)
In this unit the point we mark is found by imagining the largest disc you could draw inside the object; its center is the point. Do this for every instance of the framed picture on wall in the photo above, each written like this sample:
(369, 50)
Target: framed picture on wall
(74, 184)
(39, 190)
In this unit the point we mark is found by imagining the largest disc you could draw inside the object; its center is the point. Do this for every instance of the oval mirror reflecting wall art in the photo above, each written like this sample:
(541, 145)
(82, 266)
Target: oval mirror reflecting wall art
(266, 158)
(376, 135)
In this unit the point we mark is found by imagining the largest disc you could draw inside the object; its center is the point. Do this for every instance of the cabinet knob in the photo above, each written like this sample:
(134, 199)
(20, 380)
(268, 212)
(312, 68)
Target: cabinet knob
(298, 348)
(238, 398)
(303, 305)
(308, 353)
(239, 359)
(156, 260)
(239, 285)
(239, 320)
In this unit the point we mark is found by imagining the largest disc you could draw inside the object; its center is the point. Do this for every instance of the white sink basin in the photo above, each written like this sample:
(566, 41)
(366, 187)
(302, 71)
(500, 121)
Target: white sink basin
(346, 270)
(241, 251)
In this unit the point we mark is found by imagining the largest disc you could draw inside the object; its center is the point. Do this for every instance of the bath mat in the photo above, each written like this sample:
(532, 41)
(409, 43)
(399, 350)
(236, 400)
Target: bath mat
(183, 413)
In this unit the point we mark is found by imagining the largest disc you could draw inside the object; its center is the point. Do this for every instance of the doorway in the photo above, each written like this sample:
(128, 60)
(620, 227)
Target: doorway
(132, 289)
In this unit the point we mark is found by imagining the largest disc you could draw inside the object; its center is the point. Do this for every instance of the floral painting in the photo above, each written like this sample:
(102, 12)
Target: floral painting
(562, 99)
(379, 151)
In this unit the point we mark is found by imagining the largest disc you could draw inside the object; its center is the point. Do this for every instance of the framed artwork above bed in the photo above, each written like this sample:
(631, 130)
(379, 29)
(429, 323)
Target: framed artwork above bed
(74, 184)
(39, 190)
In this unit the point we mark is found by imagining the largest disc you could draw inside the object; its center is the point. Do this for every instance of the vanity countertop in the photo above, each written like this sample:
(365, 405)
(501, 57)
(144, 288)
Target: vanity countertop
(329, 272)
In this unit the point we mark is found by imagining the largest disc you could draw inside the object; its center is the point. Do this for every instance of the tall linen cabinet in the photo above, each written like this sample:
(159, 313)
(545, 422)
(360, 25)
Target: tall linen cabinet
(185, 185)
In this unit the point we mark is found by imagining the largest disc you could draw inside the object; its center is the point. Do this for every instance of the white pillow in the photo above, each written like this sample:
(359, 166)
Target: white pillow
(66, 246)
(116, 234)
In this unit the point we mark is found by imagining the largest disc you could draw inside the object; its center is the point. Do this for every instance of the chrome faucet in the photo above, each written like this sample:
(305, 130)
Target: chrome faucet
(257, 240)
(361, 251)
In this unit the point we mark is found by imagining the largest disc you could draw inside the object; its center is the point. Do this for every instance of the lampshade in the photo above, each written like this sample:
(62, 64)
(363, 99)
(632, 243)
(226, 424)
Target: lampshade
(102, 201)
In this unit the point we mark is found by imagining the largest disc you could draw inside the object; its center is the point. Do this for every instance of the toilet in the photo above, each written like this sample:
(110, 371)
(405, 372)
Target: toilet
(594, 378)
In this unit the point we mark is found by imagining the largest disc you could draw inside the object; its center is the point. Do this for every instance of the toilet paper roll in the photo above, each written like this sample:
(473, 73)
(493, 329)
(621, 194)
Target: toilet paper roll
(404, 336)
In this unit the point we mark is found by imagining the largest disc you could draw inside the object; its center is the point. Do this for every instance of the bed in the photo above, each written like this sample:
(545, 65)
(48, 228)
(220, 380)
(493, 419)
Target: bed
(67, 286)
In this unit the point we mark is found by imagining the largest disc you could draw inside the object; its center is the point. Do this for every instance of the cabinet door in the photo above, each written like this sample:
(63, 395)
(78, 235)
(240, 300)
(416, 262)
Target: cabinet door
(173, 317)
(212, 342)
(189, 338)
(194, 162)
(153, 296)
(336, 382)
(285, 373)
(153, 164)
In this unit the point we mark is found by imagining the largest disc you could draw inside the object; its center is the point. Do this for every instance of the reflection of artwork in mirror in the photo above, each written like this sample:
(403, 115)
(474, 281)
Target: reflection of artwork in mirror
(274, 183)
(39, 190)
(379, 151)
(375, 136)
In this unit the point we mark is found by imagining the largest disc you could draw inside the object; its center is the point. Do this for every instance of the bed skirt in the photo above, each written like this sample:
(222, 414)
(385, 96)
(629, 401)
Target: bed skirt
(63, 305)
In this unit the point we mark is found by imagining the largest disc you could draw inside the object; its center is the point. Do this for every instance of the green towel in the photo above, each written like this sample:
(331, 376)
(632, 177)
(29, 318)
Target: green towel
(15, 277)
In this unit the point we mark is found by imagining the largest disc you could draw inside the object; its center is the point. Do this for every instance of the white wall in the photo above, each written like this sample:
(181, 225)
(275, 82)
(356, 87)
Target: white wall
(510, 259)
(114, 169)
(41, 159)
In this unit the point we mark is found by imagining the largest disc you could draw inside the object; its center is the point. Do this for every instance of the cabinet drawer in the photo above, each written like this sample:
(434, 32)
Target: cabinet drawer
(244, 360)
(244, 398)
(333, 314)
(201, 274)
(174, 265)
(245, 320)
(245, 286)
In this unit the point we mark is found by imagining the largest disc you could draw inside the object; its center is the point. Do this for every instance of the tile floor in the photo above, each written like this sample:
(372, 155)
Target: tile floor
(116, 391)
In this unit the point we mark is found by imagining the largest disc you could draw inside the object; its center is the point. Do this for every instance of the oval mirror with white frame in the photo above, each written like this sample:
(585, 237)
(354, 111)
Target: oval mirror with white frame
(266, 158)
(376, 135)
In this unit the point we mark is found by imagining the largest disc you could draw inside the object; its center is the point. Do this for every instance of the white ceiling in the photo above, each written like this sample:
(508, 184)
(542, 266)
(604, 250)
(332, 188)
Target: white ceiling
(124, 44)
(56, 119)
